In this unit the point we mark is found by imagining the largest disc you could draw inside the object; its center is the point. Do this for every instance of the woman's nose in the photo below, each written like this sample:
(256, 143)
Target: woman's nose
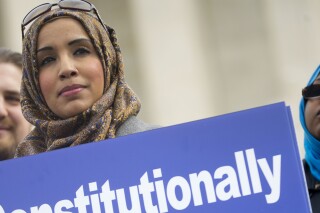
(67, 68)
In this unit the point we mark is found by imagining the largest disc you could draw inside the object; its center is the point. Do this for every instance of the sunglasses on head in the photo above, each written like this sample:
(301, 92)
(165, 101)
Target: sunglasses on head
(312, 91)
(81, 5)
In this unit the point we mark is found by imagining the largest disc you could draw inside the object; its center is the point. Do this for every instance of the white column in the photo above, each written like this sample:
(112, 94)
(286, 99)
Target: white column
(172, 58)
(294, 30)
(14, 11)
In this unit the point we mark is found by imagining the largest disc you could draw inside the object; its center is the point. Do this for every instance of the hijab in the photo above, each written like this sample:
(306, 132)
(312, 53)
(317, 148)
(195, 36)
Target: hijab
(311, 144)
(102, 119)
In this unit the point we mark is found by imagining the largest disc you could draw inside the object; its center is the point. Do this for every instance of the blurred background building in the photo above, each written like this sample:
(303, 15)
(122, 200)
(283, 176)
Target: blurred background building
(191, 59)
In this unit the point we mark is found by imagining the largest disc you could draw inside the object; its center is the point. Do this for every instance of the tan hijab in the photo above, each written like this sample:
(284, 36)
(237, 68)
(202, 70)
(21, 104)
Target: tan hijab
(99, 122)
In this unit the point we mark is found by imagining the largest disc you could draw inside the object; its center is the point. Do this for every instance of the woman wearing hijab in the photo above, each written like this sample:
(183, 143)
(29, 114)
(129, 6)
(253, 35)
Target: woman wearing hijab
(73, 88)
(310, 121)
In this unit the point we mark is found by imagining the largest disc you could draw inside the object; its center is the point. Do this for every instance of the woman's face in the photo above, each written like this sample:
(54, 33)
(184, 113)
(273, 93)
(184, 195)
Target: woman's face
(312, 114)
(70, 71)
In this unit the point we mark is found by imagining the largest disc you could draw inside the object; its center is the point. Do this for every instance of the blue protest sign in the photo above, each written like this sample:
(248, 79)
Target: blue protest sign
(245, 161)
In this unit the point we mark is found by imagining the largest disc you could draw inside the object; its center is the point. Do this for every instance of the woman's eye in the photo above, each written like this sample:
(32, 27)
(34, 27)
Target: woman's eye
(46, 60)
(81, 51)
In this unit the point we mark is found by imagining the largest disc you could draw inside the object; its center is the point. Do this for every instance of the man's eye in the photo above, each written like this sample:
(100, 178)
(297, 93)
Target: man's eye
(13, 100)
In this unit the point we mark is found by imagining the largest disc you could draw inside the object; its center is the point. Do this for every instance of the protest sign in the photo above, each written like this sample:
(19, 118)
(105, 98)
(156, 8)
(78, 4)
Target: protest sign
(246, 161)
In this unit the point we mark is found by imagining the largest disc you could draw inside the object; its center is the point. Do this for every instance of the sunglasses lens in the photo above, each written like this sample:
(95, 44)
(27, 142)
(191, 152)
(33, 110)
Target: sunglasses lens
(311, 91)
(36, 12)
(75, 4)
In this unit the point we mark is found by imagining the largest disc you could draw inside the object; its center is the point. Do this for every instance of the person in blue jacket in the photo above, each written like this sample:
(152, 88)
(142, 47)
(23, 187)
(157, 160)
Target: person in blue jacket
(310, 121)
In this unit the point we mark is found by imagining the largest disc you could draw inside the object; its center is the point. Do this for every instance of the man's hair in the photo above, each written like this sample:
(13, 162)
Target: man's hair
(9, 56)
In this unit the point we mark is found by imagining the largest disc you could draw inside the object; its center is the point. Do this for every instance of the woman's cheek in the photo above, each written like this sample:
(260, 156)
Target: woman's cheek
(46, 82)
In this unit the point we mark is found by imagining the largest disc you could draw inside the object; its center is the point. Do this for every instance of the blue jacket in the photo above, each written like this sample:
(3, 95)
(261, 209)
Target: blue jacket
(313, 189)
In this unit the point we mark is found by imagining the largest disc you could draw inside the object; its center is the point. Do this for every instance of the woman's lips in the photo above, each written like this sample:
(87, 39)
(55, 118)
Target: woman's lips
(71, 90)
(4, 126)
(4, 129)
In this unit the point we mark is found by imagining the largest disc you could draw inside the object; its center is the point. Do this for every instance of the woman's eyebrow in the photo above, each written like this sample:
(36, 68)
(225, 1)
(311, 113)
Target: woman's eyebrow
(44, 49)
(80, 40)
